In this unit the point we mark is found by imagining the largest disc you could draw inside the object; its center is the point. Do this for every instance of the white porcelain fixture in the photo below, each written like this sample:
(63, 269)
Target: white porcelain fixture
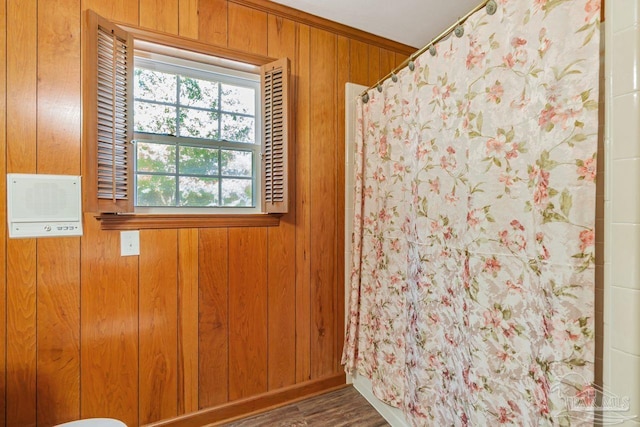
(94, 422)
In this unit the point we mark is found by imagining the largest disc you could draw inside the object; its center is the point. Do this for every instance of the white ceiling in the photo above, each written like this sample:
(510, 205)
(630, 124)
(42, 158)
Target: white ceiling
(412, 22)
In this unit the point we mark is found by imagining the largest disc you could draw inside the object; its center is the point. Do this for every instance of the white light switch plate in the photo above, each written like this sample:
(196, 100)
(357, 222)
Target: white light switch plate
(129, 243)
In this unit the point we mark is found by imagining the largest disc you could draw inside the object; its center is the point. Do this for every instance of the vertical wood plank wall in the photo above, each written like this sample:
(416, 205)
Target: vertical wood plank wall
(203, 316)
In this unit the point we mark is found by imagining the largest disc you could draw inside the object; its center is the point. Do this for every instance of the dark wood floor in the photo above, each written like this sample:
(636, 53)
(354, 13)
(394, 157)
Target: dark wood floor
(344, 407)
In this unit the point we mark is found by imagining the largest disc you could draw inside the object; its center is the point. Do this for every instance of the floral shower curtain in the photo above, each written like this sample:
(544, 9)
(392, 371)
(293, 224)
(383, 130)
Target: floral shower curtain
(473, 246)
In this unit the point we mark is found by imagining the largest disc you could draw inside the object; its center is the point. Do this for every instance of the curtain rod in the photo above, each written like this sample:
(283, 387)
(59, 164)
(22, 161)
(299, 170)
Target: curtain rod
(456, 27)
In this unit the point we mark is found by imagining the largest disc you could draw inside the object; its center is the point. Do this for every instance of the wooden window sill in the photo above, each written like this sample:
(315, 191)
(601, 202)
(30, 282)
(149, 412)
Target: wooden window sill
(153, 221)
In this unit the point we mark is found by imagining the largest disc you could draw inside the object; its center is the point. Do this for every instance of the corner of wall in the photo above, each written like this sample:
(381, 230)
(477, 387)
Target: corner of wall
(621, 210)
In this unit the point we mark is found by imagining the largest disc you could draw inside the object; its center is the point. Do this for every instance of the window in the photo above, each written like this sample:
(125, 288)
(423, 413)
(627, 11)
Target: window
(177, 132)
(196, 134)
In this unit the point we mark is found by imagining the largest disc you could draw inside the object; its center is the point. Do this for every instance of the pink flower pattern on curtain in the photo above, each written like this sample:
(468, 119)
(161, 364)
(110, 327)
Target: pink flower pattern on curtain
(472, 281)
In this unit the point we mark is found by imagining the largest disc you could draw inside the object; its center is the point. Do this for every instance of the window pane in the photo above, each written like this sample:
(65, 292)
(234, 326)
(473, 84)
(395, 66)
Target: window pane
(153, 118)
(198, 124)
(236, 163)
(198, 160)
(175, 169)
(198, 93)
(156, 190)
(195, 191)
(238, 128)
(237, 99)
(154, 85)
(155, 157)
(237, 192)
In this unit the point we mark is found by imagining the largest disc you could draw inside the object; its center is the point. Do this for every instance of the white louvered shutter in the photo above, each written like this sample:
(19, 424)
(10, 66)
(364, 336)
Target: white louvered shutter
(275, 138)
(108, 91)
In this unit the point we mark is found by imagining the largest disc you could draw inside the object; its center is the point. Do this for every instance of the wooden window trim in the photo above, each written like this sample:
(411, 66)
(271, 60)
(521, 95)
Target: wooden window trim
(121, 219)
(159, 221)
(171, 42)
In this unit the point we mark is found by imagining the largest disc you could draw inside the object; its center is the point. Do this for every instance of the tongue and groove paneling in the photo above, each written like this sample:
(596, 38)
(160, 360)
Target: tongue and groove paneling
(203, 317)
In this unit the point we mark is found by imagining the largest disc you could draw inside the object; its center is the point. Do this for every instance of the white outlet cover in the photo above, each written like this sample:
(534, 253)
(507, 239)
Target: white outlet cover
(129, 243)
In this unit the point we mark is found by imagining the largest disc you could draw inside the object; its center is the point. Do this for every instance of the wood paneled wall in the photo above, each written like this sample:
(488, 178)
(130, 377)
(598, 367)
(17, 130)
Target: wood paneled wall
(203, 316)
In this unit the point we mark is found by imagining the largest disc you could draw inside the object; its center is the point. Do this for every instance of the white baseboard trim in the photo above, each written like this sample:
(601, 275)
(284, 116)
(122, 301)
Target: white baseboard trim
(394, 416)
